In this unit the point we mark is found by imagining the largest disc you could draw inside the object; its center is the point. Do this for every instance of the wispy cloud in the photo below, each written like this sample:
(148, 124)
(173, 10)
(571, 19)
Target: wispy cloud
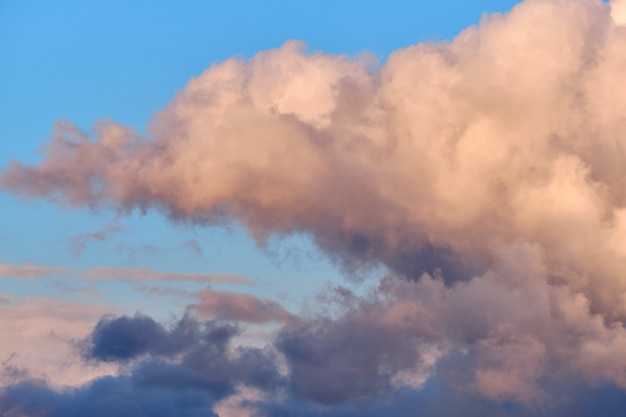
(193, 246)
(134, 252)
(78, 244)
(142, 274)
(112, 273)
(32, 271)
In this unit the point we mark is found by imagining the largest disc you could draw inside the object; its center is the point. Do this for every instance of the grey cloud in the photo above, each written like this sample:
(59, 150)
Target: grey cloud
(164, 383)
(335, 362)
(119, 396)
(125, 338)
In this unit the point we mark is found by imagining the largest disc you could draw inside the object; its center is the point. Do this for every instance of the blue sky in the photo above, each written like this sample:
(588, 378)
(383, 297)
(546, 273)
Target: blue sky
(445, 227)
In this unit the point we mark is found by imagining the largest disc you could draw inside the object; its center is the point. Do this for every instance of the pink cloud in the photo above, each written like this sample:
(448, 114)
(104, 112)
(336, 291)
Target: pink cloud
(143, 274)
(451, 146)
(113, 273)
(241, 307)
(37, 335)
(31, 271)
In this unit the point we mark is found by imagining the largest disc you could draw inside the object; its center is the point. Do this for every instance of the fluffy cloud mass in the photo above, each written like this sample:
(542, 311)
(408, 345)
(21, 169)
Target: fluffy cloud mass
(486, 173)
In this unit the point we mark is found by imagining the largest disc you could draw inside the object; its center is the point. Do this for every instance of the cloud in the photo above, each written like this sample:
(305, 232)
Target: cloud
(125, 338)
(241, 404)
(37, 337)
(133, 252)
(206, 371)
(113, 273)
(432, 400)
(512, 130)
(77, 244)
(618, 11)
(104, 397)
(404, 348)
(240, 307)
(177, 371)
(507, 336)
(31, 271)
(486, 173)
(194, 247)
(334, 362)
(143, 274)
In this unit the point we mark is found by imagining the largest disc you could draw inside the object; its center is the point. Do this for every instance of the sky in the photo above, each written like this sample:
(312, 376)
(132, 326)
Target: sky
(271, 208)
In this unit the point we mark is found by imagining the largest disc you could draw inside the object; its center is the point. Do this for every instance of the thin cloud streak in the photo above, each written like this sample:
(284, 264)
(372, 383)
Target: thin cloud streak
(112, 273)
(143, 274)
(32, 271)
(78, 244)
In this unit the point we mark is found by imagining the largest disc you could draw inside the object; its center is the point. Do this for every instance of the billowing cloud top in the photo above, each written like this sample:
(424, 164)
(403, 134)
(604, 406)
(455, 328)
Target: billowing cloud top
(512, 131)
(494, 163)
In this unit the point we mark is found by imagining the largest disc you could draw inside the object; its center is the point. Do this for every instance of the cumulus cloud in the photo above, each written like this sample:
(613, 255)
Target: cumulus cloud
(486, 173)
(618, 11)
(512, 130)
(507, 336)
(124, 338)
